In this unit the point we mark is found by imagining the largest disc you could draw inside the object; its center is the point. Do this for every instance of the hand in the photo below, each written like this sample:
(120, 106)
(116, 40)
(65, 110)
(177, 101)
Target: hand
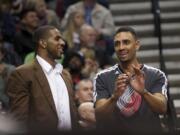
(120, 85)
(86, 124)
(137, 80)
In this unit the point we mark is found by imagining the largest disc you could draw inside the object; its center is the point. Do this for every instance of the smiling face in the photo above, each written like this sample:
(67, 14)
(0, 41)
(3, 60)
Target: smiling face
(125, 45)
(55, 44)
(30, 20)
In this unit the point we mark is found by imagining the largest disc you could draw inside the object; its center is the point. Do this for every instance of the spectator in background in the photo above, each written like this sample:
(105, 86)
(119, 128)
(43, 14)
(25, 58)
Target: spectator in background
(88, 38)
(74, 63)
(46, 16)
(96, 15)
(5, 71)
(74, 23)
(23, 41)
(84, 91)
(84, 101)
(7, 33)
(62, 5)
(91, 66)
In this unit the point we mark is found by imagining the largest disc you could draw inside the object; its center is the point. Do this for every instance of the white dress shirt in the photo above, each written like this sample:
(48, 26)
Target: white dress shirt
(59, 92)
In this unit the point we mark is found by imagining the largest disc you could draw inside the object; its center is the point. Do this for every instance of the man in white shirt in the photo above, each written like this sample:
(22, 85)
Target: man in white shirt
(41, 95)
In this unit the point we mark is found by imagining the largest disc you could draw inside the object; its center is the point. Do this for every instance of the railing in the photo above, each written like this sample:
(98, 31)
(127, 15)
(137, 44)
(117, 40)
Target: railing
(171, 114)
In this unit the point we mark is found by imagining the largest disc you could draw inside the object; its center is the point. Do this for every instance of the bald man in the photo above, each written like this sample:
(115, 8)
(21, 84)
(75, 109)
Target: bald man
(84, 91)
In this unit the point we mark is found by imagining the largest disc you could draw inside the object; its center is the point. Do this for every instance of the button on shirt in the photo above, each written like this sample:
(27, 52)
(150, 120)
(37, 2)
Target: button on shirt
(59, 92)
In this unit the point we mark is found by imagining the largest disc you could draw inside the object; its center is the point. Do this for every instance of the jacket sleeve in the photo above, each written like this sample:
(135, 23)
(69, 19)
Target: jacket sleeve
(18, 92)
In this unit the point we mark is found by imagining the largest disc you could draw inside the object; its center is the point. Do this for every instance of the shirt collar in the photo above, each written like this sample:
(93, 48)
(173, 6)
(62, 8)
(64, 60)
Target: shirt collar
(58, 68)
(48, 67)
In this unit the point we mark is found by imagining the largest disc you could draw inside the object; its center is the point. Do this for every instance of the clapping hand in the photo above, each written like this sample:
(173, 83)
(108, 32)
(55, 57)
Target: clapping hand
(120, 85)
(137, 80)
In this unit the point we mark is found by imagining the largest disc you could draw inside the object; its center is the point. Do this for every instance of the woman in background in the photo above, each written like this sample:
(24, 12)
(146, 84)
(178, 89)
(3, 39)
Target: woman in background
(71, 32)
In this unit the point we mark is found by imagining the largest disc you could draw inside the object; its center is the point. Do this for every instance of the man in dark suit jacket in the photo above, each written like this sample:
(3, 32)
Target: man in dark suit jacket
(35, 90)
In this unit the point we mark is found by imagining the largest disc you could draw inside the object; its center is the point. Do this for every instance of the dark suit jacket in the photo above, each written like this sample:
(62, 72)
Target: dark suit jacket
(31, 100)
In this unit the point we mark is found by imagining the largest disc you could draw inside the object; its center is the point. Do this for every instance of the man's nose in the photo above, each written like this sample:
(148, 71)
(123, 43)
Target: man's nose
(62, 42)
(90, 91)
(121, 46)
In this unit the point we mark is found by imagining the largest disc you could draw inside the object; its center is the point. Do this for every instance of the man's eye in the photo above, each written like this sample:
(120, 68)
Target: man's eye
(126, 42)
(116, 43)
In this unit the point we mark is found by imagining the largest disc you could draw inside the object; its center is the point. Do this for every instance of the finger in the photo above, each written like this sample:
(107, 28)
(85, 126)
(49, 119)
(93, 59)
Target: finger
(122, 76)
(122, 81)
(128, 74)
(121, 88)
(137, 71)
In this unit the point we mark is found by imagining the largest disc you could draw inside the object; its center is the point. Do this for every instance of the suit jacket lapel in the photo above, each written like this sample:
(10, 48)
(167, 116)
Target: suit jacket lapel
(66, 82)
(41, 78)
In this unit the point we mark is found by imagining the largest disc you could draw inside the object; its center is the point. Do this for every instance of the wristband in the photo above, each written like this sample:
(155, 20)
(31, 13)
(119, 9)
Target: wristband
(144, 91)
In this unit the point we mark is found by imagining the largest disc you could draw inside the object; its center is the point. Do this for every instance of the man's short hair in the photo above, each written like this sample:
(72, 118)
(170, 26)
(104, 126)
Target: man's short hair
(25, 11)
(127, 29)
(41, 33)
(83, 80)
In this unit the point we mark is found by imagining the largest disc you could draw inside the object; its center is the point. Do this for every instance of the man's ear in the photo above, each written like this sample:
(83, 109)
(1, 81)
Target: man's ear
(137, 45)
(43, 43)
